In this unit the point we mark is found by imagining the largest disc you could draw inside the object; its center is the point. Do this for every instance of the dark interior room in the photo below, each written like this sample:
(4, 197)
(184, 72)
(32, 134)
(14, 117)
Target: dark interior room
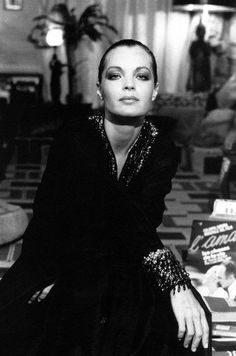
(50, 51)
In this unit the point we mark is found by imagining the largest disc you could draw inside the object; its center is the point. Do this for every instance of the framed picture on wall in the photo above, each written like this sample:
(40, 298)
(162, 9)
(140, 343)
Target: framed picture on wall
(15, 5)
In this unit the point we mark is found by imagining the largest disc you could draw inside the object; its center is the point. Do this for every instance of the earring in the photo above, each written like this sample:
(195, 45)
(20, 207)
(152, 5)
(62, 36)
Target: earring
(99, 94)
(154, 96)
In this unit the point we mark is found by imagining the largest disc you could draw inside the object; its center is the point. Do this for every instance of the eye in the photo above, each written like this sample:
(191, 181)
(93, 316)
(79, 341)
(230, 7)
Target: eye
(143, 76)
(113, 76)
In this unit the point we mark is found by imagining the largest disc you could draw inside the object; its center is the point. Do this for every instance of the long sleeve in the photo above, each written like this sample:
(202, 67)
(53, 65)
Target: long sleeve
(141, 207)
(143, 214)
(166, 273)
(43, 239)
(163, 268)
(44, 235)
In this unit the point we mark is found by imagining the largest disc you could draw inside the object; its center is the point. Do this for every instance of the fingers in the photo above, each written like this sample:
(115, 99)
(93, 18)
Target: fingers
(191, 318)
(205, 328)
(34, 297)
(46, 290)
(181, 329)
(195, 328)
(194, 331)
(40, 295)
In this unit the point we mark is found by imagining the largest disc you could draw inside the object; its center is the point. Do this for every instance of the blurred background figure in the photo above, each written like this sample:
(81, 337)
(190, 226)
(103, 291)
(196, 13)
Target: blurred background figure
(227, 278)
(55, 83)
(200, 68)
(210, 284)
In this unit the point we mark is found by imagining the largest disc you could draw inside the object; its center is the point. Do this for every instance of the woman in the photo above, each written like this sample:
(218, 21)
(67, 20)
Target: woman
(116, 289)
(210, 284)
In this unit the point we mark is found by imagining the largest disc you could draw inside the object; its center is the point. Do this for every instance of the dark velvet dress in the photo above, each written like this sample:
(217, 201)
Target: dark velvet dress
(95, 238)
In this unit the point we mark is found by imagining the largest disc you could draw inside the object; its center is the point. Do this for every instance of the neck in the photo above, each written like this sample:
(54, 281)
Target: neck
(122, 132)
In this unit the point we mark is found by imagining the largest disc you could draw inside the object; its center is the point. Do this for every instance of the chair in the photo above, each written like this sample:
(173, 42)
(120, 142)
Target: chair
(13, 222)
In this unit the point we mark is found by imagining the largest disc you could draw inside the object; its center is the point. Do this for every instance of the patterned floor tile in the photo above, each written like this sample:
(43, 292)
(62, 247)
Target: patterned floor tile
(30, 194)
(201, 216)
(24, 204)
(35, 175)
(19, 175)
(186, 176)
(4, 194)
(182, 221)
(28, 167)
(187, 186)
(207, 186)
(206, 207)
(171, 231)
(203, 196)
(175, 236)
(16, 194)
(24, 184)
(175, 208)
(179, 196)
(177, 186)
(191, 207)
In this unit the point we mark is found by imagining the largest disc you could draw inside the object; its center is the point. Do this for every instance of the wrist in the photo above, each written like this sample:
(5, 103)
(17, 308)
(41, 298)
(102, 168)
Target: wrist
(166, 272)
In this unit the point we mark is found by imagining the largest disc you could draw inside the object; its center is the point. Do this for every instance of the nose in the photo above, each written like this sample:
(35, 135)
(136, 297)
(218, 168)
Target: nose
(129, 84)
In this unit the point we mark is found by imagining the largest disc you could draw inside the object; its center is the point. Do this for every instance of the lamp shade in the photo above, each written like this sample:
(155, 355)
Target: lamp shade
(54, 37)
(197, 5)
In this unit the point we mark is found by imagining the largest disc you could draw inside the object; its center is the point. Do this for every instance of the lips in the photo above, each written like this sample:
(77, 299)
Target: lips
(129, 98)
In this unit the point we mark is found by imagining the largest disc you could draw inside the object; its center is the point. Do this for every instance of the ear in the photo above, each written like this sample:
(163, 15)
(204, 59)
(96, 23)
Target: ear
(155, 91)
(99, 91)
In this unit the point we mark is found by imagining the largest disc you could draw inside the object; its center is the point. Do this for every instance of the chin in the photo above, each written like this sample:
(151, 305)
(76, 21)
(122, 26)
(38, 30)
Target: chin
(131, 112)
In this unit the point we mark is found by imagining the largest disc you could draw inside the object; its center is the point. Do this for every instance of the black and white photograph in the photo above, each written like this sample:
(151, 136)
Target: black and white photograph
(117, 178)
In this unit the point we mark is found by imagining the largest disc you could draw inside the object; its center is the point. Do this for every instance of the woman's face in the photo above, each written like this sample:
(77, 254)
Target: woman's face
(127, 86)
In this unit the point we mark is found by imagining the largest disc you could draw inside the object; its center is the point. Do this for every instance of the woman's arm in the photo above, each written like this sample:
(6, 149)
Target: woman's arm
(43, 239)
(170, 278)
(141, 207)
(143, 213)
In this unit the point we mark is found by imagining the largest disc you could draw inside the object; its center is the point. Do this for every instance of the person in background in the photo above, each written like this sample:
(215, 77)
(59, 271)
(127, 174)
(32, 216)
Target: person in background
(55, 82)
(227, 278)
(113, 288)
(210, 284)
(200, 68)
(221, 105)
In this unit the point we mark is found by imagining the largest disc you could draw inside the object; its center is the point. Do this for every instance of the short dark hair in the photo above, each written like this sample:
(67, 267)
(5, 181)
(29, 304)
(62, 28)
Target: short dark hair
(230, 268)
(127, 43)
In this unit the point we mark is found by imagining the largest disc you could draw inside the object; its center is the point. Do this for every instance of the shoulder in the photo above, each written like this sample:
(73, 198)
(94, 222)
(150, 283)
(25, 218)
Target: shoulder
(164, 151)
(76, 137)
(164, 143)
(75, 126)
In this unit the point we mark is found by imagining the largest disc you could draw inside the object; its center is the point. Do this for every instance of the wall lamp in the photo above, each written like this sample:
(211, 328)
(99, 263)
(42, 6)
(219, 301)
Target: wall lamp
(199, 5)
(54, 37)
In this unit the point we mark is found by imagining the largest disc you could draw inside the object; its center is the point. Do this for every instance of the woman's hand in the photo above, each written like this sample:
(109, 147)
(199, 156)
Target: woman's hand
(191, 319)
(40, 295)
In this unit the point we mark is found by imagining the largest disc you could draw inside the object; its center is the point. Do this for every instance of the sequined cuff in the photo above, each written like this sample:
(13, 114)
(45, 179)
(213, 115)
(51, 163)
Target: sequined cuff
(165, 271)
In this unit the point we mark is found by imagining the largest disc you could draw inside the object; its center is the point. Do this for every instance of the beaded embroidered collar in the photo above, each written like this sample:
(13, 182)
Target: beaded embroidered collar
(138, 152)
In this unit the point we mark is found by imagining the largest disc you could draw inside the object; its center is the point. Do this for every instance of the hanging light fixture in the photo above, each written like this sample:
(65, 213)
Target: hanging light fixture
(55, 33)
(55, 37)
(211, 5)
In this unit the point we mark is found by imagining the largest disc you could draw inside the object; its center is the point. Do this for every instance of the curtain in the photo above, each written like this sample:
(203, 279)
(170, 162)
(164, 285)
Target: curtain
(153, 23)
(167, 33)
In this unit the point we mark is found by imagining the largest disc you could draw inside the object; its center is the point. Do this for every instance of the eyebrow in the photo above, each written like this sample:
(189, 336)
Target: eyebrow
(136, 69)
